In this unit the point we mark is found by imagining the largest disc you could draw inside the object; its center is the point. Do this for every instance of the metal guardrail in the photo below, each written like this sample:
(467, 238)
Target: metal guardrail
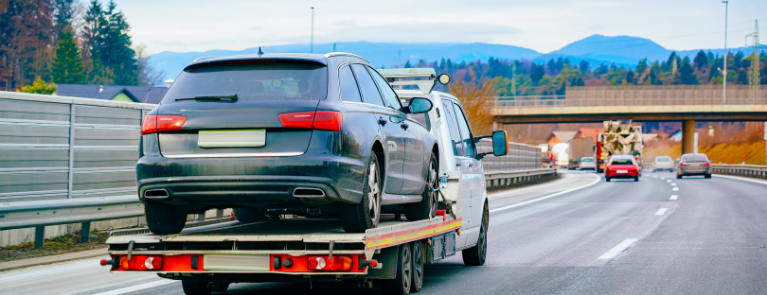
(519, 157)
(511, 178)
(641, 95)
(754, 171)
(67, 160)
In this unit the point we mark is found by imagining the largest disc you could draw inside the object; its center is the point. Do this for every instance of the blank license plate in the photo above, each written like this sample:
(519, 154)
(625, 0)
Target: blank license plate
(231, 138)
(622, 171)
(236, 262)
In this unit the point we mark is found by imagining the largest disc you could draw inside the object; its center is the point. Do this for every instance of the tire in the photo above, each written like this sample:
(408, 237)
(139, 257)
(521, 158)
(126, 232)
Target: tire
(218, 286)
(636, 178)
(356, 218)
(427, 208)
(250, 214)
(163, 219)
(418, 258)
(607, 179)
(192, 287)
(400, 285)
(678, 176)
(708, 176)
(476, 256)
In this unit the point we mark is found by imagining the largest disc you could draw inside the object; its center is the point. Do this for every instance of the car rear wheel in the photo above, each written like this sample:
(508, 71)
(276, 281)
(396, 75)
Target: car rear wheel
(607, 179)
(250, 214)
(678, 176)
(636, 178)
(163, 219)
(428, 206)
(365, 215)
(708, 176)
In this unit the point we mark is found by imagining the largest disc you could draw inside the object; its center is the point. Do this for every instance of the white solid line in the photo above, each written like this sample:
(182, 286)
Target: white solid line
(673, 197)
(137, 287)
(675, 189)
(661, 211)
(618, 249)
(597, 180)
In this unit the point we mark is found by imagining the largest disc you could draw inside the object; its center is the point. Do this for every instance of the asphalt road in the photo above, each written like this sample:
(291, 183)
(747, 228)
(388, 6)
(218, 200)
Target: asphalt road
(660, 235)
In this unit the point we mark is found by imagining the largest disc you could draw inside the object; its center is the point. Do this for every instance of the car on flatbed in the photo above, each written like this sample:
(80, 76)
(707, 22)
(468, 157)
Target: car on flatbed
(209, 258)
(266, 132)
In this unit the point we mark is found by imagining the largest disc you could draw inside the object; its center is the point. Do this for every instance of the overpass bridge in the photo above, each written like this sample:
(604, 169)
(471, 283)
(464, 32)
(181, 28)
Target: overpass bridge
(672, 103)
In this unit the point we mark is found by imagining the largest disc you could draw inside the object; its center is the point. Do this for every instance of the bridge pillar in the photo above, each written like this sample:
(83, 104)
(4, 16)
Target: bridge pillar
(688, 137)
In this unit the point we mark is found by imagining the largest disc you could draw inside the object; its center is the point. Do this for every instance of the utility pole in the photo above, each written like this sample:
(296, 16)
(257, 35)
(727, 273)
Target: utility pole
(754, 79)
(724, 71)
(311, 43)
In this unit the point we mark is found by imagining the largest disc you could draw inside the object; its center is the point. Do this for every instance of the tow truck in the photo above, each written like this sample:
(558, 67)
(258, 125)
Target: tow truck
(209, 258)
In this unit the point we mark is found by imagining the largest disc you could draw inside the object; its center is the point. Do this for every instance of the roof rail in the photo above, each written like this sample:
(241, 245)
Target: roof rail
(205, 58)
(334, 54)
(424, 78)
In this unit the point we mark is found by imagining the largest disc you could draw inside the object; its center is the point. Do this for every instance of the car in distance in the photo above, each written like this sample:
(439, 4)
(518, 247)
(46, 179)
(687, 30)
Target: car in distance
(587, 163)
(621, 166)
(693, 164)
(285, 131)
(663, 163)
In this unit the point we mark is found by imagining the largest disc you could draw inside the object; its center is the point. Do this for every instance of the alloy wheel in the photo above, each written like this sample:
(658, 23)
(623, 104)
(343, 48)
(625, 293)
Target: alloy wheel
(373, 193)
(406, 267)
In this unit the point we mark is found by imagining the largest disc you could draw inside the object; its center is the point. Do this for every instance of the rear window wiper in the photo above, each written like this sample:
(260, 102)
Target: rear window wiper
(221, 98)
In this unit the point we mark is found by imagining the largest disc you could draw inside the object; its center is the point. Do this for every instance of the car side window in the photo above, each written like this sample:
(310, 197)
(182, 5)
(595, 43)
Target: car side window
(368, 88)
(349, 90)
(466, 136)
(455, 137)
(386, 90)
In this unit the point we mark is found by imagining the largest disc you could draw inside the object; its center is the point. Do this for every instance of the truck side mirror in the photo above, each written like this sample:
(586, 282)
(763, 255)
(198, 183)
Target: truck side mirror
(500, 143)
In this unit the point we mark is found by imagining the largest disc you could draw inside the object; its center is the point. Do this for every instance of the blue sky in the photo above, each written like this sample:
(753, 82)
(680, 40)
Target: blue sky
(199, 25)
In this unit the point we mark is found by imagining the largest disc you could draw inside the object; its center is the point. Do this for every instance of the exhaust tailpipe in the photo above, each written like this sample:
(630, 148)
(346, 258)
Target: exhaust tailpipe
(156, 194)
(307, 192)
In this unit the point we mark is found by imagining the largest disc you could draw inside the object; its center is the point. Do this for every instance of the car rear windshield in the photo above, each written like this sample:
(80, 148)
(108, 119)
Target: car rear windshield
(251, 81)
(663, 159)
(695, 158)
(588, 160)
(622, 162)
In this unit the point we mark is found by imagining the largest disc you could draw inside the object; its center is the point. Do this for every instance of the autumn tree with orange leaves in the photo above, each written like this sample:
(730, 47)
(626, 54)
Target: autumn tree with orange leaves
(475, 98)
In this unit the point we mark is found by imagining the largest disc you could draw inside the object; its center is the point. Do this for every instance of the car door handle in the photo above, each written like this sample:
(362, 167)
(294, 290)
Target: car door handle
(404, 126)
(382, 121)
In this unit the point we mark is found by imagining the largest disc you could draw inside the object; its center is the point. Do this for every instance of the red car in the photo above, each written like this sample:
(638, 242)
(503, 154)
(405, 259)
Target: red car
(623, 166)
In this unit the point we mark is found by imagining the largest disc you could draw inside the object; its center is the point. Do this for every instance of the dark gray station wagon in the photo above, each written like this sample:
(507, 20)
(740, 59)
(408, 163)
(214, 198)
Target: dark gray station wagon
(285, 132)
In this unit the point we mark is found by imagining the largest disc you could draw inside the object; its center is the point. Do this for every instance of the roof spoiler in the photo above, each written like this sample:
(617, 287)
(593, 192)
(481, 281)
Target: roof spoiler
(424, 78)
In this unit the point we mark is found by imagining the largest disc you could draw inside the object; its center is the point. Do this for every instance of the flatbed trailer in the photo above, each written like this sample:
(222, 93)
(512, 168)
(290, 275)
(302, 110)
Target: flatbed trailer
(296, 249)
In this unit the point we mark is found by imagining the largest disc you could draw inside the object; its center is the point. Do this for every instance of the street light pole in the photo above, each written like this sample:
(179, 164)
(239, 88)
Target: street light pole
(724, 71)
(311, 43)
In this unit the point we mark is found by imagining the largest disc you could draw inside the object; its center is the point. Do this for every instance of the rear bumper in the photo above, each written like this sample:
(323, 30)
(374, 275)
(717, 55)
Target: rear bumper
(694, 171)
(265, 182)
(622, 175)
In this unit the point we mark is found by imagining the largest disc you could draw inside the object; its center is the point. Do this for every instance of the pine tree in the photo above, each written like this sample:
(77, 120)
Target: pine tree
(67, 66)
(687, 73)
(701, 60)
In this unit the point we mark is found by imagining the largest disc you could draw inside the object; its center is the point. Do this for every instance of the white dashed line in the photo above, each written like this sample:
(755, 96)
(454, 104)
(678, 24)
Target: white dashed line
(673, 197)
(662, 178)
(661, 211)
(138, 287)
(668, 180)
(673, 184)
(618, 249)
(675, 189)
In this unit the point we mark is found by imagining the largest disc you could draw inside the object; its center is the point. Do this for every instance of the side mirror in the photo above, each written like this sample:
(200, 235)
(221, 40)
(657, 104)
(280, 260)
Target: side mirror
(419, 105)
(500, 143)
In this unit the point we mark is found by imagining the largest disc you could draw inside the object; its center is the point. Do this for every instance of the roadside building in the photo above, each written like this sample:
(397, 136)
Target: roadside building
(560, 136)
(141, 94)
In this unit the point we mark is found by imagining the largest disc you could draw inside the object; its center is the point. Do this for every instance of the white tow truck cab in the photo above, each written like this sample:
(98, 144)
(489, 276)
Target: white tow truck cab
(209, 258)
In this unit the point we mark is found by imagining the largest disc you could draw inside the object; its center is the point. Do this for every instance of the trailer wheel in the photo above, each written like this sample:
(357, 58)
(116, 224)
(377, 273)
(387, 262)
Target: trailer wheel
(163, 220)
(417, 280)
(400, 285)
(356, 218)
(475, 256)
(427, 208)
(193, 287)
(250, 214)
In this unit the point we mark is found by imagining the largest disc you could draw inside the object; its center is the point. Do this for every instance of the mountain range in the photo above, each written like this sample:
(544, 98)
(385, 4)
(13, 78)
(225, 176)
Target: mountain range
(620, 50)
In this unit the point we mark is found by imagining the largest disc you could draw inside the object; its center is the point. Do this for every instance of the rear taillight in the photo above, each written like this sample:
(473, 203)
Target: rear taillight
(320, 120)
(706, 164)
(682, 164)
(139, 262)
(324, 263)
(160, 123)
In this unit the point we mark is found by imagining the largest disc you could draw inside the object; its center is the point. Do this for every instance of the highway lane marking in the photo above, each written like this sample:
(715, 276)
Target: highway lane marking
(138, 287)
(597, 180)
(661, 211)
(673, 184)
(617, 249)
(668, 180)
(662, 178)
(675, 189)
(673, 197)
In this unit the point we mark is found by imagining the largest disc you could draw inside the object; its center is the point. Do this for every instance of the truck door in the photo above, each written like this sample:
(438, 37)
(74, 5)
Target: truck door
(473, 176)
(463, 164)
(389, 120)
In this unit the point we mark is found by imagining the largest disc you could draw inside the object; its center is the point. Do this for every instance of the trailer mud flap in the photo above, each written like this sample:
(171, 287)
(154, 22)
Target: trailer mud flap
(388, 261)
(442, 246)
